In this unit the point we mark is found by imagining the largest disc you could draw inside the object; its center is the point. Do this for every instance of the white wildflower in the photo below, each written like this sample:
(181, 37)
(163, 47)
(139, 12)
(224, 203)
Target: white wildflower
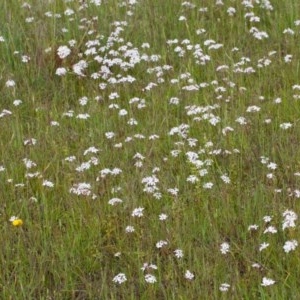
(267, 281)
(10, 83)
(189, 275)
(224, 287)
(224, 248)
(263, 246)
(178, 253)
(81, 189)
(149, 278)
(270, 229)
(63, 51)
(208, 185)
(120, 278)
(163, 217)
(48, 183)
(267, 219)
(290, 246)
(61, 71)
(129, 229)
(252, 227)
(285, 126)
(161, 244)
(289, 220)
(138, 212)
(114, 201)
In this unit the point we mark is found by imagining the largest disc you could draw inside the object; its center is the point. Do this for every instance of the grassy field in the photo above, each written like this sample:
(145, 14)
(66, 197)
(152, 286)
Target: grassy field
(149, 149)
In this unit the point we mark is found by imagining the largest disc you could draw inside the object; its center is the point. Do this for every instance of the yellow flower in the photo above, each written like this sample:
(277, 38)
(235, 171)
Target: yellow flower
(17, 222)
